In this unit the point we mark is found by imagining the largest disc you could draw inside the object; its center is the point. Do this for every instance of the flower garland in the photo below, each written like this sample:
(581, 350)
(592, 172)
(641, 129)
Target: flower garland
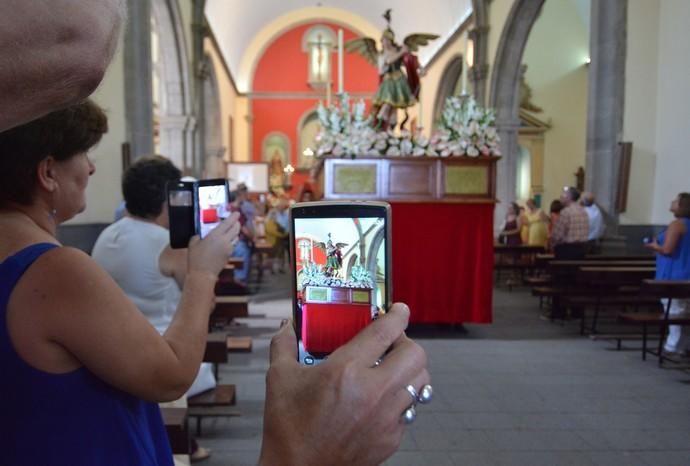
(465, 129)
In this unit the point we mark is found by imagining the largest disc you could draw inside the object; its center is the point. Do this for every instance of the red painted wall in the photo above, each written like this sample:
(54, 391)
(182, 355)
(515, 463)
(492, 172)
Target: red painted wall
(283, 68)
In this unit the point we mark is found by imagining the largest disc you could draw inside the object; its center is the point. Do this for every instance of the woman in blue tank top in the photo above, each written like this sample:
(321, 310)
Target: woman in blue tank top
(81, 368)
(672, 248)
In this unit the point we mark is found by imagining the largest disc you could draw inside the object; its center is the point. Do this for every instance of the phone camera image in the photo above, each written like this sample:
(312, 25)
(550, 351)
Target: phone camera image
(340, 277)
(213, 207)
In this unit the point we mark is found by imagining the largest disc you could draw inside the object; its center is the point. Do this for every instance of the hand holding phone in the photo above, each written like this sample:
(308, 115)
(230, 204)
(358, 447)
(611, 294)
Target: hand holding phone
(349, 409)
(196, 208)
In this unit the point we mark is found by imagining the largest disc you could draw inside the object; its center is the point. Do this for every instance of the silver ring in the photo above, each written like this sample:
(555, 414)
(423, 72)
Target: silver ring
(413, 393)
(426, 394)
(378, 362)
(409, 415)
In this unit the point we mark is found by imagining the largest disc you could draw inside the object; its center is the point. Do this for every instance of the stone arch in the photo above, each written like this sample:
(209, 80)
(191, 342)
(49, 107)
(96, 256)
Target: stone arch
(448, 84)
(480, 35)
(504, 95)
(176, 123)
(273, 30)
(213, 129)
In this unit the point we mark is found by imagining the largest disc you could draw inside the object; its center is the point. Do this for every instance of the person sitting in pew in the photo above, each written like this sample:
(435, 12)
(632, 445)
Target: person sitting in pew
(672, 248)
(83, 369)
(136, 252)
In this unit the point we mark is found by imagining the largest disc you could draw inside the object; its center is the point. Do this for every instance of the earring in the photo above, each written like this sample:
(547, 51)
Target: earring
(53, 213)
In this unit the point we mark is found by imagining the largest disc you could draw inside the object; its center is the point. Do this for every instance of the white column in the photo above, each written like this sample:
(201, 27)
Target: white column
(464, 64)
(341, 73)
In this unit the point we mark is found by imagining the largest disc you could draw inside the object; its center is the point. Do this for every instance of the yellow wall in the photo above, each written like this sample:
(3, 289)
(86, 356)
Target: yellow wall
(104, 193)
(555, 56)
(640, 115)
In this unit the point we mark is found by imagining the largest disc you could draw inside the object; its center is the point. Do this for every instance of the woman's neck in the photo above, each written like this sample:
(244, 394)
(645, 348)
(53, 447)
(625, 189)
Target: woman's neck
(31, 217)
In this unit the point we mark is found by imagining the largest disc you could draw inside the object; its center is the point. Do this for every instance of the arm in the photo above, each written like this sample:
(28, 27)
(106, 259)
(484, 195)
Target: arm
(173, 263)
(81, 310)
(673, 235)
(53, 53)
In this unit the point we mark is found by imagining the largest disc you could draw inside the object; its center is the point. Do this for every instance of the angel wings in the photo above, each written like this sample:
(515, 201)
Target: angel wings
(366, 46)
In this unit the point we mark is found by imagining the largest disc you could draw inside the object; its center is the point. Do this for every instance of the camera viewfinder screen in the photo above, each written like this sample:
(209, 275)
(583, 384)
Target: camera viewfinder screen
(213, 207)
(340, 266)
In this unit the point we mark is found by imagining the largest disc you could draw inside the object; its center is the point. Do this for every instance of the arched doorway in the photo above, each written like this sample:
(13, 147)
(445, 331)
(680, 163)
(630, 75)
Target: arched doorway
(450, 84)
(174, 124)
(505, 80)
(307, 129)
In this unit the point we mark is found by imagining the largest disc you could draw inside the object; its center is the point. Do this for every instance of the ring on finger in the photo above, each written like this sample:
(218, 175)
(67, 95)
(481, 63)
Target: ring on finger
(413, 393)
(409, 415)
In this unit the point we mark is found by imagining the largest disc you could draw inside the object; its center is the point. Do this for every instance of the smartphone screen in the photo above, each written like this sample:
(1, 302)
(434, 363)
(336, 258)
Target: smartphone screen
(212, 198)
(341, 272)
(181, 213)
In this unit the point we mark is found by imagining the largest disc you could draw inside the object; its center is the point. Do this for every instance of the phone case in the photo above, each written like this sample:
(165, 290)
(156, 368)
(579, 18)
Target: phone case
(181, 213)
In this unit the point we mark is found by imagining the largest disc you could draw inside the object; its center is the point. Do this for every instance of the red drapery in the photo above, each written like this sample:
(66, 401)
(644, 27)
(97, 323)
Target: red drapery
(325, 327)
(443, 261)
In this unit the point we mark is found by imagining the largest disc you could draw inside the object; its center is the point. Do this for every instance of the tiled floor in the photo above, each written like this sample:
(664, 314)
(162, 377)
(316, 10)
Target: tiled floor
(519, 392)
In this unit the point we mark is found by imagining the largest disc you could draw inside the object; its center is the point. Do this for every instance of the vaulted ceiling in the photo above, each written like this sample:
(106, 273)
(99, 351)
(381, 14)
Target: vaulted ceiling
(244, 28)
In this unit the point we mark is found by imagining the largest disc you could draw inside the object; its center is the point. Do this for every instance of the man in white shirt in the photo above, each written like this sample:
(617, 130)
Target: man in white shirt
(596, 219)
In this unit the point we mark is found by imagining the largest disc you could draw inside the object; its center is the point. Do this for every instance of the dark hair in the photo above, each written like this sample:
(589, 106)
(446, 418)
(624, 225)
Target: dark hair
(515, 207)
(556, 206)
(683, 210)
(144, 185)
(61, 134)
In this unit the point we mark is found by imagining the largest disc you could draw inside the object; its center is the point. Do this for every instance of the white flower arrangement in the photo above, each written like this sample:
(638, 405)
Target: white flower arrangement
(465, 129)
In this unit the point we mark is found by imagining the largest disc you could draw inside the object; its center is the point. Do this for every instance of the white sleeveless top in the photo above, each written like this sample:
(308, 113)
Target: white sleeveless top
(129, 250)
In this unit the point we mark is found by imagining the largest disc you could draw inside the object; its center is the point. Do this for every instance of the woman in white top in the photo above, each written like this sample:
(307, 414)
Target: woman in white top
(136, 251)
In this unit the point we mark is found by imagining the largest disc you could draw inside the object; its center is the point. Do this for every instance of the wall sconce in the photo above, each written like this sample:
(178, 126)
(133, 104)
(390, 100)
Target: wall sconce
(308, 152)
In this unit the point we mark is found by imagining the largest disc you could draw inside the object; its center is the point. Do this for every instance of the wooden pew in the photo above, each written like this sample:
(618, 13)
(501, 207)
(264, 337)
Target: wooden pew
(227, 308)
(609, 286)
(521, 258)
(216, 402)
(667, 289)
(563, 282)
(175, 420)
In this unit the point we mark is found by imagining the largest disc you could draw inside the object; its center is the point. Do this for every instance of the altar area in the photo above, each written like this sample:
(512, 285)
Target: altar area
(442, 228)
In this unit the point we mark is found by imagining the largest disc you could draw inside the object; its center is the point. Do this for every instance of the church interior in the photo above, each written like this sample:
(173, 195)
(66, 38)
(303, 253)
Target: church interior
(484, 124)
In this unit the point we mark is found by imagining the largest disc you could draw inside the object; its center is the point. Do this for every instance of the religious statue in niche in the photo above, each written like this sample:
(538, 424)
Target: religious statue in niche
(276, 174)
(397, 89)
(526, 97)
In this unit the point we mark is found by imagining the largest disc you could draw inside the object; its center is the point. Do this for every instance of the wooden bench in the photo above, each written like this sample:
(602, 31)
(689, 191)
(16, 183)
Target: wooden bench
(227, 308)
(239, 344)
(216, 350)
(564, 273)
(521, 258)
(175, 421)
(660, 289)
(212, 403)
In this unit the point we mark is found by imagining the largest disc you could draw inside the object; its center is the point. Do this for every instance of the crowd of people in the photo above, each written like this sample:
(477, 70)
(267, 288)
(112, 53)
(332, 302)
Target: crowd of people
(573, 227)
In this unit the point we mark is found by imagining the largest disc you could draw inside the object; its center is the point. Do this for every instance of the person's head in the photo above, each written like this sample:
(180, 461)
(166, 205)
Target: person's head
(587, 199)
(531, 204)
(388, 38)
(144, 187)
(556, 206)
(44, 163)
(513, 209)
(569, 195)
(242, 192)
(681, 206)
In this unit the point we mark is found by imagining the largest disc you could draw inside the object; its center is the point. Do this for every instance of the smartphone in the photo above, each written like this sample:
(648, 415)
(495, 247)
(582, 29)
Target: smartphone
(181, 213)
(340, 256)
(212, 198)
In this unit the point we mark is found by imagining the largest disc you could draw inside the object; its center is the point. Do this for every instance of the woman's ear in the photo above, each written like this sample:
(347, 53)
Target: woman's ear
(45, 174)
